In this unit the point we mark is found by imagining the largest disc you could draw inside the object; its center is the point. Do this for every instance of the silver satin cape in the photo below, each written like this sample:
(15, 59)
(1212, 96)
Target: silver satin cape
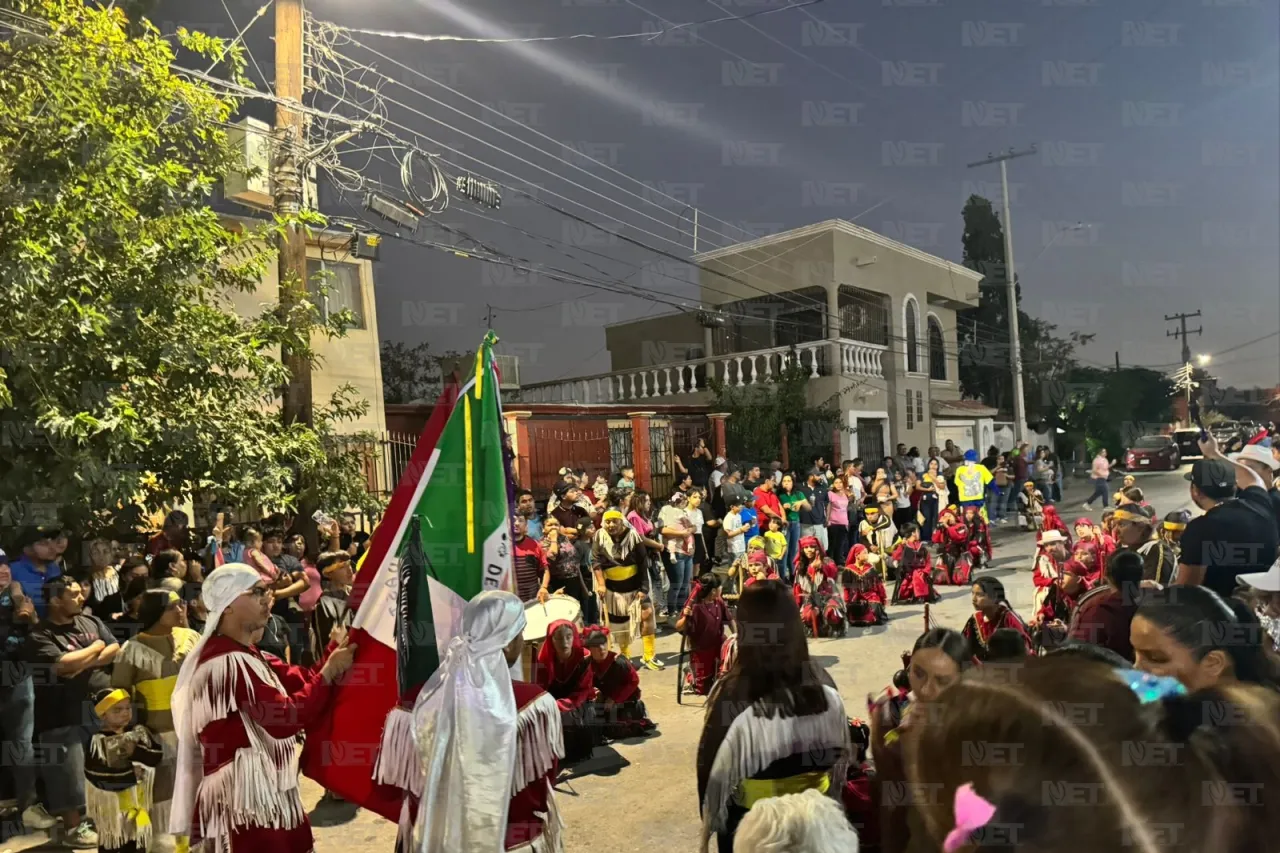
(464, 724)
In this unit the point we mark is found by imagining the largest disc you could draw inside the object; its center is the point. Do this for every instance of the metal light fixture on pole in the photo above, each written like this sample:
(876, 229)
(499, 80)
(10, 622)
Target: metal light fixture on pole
(1015, 343)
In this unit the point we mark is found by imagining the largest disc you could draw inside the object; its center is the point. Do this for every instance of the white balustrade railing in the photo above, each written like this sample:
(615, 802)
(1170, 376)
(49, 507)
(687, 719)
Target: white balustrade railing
(689, 377)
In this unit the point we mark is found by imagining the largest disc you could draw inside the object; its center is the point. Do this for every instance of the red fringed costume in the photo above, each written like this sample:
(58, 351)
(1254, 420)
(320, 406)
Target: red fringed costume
(1086, 562)
(821, 610)
(1046, 574)
(1088, 531)
(952, 535)
(979, 629)
(862, 586)
(915, 574)
(249, 708)
(618, 706)
(538, 743)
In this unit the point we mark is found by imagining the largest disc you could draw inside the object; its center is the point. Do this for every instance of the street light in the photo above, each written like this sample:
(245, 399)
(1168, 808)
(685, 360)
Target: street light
(1203, 359)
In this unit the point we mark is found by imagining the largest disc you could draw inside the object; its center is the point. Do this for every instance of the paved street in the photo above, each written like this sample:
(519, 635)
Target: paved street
(641, 796)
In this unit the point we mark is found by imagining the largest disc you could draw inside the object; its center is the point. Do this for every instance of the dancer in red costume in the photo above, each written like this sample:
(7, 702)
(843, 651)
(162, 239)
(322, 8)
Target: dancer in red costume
(1053, 521)
(991, 613)
(915, 569)
(564, 670)
(821, 610)
(618, 706)
(953, 537)
(703, 622)
(1087, 530)
(1050, 623)
(1051, 553)
(979, 537)
(862, 586)
(238, 713)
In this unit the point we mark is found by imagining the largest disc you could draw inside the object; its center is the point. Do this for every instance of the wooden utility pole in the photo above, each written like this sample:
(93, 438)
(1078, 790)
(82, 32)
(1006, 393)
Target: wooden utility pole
(1011, 282)
(286, 179)
(1182, 332)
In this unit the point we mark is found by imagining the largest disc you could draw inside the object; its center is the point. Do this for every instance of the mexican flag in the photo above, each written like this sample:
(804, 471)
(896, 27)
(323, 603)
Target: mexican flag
(444, 539)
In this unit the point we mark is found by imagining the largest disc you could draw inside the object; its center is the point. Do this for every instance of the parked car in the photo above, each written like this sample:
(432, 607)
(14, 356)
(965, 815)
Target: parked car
(1153, 453)
(1188, 441)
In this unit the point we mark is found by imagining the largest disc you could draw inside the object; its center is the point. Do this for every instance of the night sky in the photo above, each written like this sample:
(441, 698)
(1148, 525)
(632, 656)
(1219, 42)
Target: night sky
(1157, 124)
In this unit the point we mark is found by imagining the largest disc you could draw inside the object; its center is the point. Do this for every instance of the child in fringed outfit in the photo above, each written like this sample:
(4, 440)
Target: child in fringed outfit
(119, 770)
(703, 622)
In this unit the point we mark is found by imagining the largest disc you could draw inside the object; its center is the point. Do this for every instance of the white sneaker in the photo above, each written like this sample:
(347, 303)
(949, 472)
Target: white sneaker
(35, 817)
(1087, 507)
(81, 837)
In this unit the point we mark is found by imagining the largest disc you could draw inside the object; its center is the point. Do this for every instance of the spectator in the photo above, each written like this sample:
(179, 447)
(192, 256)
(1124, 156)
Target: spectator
(902, 461)
(776, 472)
(354, 542)
(838, 507)
(526, 507)
(998, 499)
(569, 510)
(331, 611)
(626, 478)
(103, 582)
(173, 535)
(754, 478)
(1234, 536)
(813, 518)
(735, 530)
(1259, 459)
(1098, 475)
(796, 823)
(701, 464)
(529, 559)
(17, 698)
(73, 653)
(1264, 591)
(678, 529)
(295, 548)
(717, 474)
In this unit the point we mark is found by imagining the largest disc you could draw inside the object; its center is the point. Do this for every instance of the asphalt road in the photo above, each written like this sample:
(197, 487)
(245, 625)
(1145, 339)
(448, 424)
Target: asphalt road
(639, 796)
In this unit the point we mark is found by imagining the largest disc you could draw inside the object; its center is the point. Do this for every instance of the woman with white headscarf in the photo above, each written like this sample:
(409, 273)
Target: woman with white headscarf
(238, 713)
(489, 745)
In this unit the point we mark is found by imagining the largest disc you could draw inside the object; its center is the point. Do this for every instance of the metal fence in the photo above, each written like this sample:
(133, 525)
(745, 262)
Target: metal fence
(383, 457)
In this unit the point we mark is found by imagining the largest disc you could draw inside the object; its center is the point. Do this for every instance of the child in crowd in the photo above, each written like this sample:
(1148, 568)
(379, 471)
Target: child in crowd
(733, 531)
(583, 545)
(915, 566)
(862, 587)
(119, 769)
(991, 612)
(775, 541)
(703, 622)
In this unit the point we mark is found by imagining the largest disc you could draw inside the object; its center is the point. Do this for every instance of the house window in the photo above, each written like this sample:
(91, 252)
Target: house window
(912, 336)
(335, 287)
(937, 351)
(911, 421)
(920, 407)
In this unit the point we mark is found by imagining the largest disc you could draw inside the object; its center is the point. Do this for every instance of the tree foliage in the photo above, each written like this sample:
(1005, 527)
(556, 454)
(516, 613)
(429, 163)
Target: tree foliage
(412, 373)
(126, 379)
(985, 364)
(759, 413)
(1110, 408)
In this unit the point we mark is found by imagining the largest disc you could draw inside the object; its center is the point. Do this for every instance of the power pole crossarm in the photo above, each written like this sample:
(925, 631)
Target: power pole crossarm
(1011, 283)
(1182, 332)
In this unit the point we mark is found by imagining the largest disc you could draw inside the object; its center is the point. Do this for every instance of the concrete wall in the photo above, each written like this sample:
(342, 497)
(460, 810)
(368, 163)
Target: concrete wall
(665, 339)
(788, 265)
(353, 359)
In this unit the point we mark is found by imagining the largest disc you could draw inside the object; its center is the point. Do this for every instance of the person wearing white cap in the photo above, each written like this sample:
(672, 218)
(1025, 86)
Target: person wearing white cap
(717, 473)
(1266, 589)
(489, 745)
(238, 713)
(1259, 458)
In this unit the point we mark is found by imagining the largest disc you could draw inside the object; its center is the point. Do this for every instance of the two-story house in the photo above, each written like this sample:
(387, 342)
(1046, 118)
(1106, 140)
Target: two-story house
(872, 320)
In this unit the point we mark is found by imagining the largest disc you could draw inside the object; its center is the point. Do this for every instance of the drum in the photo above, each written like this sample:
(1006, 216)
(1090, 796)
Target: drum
(538, 617)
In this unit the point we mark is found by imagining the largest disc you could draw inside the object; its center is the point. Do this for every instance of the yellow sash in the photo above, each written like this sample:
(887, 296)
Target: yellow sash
(620, 573)
(134, 809)
(157, 692)
(752, 791)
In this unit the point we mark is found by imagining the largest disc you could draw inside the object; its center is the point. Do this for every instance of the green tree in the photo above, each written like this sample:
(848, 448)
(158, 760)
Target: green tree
(1110, 408)
(126, 379)
(411, 373)
(985, 365)
(759, 413)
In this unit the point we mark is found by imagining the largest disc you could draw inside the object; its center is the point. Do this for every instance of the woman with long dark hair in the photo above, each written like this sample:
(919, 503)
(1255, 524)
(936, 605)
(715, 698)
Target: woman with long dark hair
(775, 722)
(991, 612)
(1194, 635)
(838, 507)
(792, 500)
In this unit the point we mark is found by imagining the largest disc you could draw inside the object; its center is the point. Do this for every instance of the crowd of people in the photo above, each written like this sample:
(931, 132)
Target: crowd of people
(201, 664)
(92, 652)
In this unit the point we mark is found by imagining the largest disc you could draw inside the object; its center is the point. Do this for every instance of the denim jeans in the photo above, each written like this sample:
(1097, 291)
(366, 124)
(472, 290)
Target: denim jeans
(17, 722)
(680, 573)
(995, 502)
(1099, 491)
(61, 759)
(793, 548)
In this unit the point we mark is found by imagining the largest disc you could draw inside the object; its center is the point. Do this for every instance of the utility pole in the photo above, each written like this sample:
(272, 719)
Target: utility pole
(286, 180)
(1015, 345)
(1183, 332)
(1117, 361)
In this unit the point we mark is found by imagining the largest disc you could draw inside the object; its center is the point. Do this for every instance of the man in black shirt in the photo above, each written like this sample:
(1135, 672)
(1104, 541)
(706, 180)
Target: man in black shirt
(69, 654)
(1237, 533)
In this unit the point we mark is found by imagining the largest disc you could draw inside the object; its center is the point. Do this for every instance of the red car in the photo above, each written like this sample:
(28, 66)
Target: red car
(1153, 453)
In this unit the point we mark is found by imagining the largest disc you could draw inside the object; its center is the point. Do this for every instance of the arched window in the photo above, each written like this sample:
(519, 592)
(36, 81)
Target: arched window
(912, 324)
(937, 352)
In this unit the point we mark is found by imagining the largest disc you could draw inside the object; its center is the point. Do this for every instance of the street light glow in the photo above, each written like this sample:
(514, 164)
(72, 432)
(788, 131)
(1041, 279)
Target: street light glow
(1204, 359)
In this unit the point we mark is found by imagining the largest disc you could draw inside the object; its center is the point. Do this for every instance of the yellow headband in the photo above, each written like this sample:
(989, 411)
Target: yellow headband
(173, 597)
(112, 699)
(1174, 525)
(335, 565)
(611, 514)
(1124, 515)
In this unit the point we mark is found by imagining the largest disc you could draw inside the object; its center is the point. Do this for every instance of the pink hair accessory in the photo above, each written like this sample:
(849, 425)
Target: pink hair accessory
(972, 813)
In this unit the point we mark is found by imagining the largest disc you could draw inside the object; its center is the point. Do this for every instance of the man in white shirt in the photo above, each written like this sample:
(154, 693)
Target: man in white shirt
(717, 475)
